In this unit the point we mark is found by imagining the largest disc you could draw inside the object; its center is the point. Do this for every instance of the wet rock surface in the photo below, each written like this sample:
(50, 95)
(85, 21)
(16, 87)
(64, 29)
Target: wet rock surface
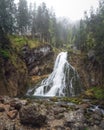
(36, 58)
(49, 114)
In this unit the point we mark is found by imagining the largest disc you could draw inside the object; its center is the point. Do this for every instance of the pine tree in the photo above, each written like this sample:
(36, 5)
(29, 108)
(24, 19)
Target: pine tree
(23, 17)
(7, 15)
(42, 22)
(52, 29)
(33, 24)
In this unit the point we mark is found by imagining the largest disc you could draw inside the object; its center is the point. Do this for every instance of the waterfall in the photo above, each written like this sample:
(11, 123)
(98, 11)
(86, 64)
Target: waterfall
(63, 81)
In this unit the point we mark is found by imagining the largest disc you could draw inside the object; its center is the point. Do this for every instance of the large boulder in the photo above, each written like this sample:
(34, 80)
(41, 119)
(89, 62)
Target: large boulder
(31, 115)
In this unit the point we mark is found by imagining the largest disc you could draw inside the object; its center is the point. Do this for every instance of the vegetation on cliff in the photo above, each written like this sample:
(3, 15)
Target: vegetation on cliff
(13, 72)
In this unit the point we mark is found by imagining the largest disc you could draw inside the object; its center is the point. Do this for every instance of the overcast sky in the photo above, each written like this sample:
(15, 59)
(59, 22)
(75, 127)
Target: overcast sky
(73, 9)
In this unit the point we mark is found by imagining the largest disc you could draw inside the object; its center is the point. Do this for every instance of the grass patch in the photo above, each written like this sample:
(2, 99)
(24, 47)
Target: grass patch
(34, 43)
(19, 41)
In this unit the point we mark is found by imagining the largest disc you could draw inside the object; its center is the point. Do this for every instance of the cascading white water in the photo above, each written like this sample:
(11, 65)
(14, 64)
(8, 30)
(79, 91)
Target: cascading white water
(62, 81)
(56, 79)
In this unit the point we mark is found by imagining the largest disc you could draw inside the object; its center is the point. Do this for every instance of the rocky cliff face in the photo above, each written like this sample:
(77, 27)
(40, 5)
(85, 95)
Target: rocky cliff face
(38, 59)
(13, 71)
(13, 77)
(39, 62)
(88, 69)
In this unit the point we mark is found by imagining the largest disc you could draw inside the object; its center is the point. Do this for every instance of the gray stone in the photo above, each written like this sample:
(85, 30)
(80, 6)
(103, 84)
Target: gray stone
(31, 115)
(102, 124)
(16, 104)
(96, 117)
(9, 126)
(2, 109)
(75, 116)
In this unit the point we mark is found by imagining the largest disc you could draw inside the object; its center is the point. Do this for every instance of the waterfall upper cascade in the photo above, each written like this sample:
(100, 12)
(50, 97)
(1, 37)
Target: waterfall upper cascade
(63, 81)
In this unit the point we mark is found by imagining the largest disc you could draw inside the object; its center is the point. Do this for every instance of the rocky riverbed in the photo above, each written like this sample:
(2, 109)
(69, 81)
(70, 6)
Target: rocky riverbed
(51, 114)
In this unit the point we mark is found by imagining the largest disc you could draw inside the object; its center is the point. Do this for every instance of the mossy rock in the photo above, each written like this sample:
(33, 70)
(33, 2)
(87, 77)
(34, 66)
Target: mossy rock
(76, 100)
(89, 94)
(54, 99)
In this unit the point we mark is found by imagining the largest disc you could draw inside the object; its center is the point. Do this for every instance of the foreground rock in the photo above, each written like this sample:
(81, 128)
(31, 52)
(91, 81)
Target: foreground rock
(50, 114)
(31, 115)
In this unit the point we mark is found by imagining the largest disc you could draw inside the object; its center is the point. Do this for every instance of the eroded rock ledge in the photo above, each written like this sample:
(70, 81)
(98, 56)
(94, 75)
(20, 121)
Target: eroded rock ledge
(38, 58)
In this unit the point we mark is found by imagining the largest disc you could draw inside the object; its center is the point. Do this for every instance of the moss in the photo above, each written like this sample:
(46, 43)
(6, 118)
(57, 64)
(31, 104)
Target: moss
(88, 94)
(34, 43)
(86, 129)
(19, 41)
(54, 99)
(57, 50)
(5, 54)
(94, 93)
(98, 92)
(75, 100)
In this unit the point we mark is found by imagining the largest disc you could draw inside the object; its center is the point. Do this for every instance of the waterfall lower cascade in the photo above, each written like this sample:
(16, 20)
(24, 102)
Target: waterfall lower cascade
(63, 81)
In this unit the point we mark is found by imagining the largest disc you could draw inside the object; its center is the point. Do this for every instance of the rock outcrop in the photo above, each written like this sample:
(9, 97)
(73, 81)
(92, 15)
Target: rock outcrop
(39, 59)
(88, 69)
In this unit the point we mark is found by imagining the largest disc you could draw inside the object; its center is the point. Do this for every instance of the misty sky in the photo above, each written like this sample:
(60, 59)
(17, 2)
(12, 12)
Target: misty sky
(73, 9)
